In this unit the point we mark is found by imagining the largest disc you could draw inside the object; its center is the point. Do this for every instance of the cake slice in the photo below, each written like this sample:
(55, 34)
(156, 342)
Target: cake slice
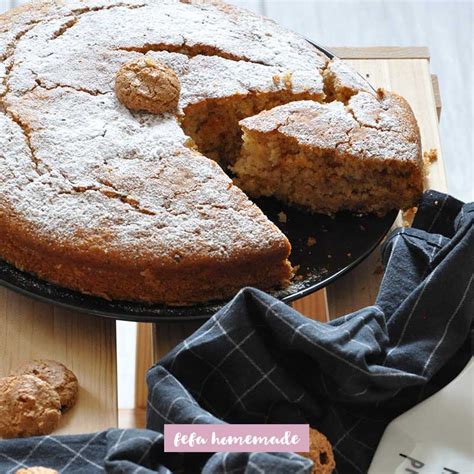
(326, 157)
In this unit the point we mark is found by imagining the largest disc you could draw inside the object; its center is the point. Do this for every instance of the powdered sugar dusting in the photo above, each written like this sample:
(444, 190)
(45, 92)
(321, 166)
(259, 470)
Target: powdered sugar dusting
(82, 168)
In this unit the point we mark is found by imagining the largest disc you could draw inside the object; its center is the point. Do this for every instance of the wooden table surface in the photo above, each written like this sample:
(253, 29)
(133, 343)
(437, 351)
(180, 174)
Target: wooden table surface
(87, 344)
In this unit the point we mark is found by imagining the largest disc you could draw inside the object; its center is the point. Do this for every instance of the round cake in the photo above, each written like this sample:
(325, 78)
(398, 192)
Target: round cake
(101, 197)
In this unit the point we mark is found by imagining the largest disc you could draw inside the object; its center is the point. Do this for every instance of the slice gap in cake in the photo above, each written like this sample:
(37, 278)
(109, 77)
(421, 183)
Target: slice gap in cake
(213, 124)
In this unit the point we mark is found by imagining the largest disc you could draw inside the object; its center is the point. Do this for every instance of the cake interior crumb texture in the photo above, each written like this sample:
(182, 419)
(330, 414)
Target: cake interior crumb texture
(214, 124)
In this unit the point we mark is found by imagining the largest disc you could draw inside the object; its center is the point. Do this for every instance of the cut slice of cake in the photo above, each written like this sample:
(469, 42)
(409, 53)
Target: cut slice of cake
(364, 156)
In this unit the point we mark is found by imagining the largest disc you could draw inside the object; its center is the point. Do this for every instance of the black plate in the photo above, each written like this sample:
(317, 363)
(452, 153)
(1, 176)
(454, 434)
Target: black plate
(342, 242)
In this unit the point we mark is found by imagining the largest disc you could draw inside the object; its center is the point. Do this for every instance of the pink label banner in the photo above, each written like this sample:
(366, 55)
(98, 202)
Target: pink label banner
(236, 438)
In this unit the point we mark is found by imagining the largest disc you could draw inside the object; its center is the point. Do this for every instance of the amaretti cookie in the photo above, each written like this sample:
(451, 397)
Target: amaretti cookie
(57, 375)
(28, 407)
(320, 452)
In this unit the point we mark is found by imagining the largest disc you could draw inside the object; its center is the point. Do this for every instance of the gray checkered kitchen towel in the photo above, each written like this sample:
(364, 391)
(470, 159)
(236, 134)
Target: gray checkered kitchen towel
(259, 361)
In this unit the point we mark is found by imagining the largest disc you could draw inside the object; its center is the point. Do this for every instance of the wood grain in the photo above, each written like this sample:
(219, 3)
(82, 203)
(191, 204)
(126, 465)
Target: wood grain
(380, 52)
(85, 344)
(437, 94)
(168, 335)
(314, 306)
(143, 361)
(132, 418)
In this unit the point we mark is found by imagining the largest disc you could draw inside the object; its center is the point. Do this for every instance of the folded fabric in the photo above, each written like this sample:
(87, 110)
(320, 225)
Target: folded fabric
(259, 361)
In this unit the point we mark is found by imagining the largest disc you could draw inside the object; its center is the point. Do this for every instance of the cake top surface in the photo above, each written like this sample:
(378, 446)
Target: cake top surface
(216, 49)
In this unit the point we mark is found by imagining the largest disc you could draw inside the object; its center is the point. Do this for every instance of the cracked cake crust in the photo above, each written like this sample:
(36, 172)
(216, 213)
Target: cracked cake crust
(364, 156)
(120, 203)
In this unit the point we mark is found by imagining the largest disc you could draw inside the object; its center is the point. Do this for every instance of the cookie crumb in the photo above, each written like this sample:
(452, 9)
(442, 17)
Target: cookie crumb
(430, 156)
(320, 452)
(295, 275)
(287, 80)
(408, 216)
(311, 241)
(282, 217)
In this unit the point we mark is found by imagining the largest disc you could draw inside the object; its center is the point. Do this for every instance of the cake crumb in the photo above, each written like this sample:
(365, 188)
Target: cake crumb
(287, 79)
(408, 216)
(295, 275)
(430, 156)
(311, 241)
(282, 217)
